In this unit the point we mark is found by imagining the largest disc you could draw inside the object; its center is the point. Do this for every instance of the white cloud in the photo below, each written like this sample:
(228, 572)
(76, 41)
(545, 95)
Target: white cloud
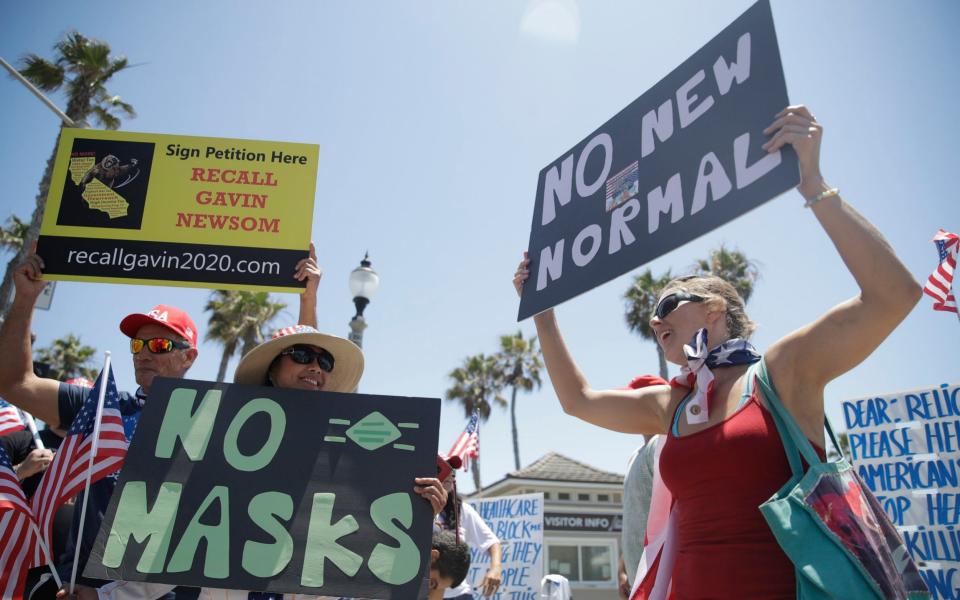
(552, 20)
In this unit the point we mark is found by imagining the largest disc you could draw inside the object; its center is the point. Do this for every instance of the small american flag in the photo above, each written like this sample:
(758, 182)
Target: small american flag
(18, 537)
(467, 445)
(67, 473)
(10, 420)
(939, 285)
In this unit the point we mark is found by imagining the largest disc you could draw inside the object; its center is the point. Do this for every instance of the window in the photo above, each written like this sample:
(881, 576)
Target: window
(546, 495)
(603, 497)
(565, 560)
(583, 497)
(563, 496)
(588, 564)
(617, 498)
(596, 563)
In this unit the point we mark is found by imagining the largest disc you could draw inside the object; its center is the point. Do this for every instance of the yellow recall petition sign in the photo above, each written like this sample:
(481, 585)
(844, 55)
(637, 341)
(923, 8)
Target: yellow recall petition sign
(178, 210)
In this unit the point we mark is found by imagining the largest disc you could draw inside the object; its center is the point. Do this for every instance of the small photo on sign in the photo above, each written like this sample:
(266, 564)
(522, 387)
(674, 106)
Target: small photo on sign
(623, 186)
(106, 184)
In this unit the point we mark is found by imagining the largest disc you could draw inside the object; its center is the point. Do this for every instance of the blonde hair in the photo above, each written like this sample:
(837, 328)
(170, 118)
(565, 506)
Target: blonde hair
(718, 294)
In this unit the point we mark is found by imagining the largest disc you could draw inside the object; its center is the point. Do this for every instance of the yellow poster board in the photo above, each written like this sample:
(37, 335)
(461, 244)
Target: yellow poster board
(178, 210)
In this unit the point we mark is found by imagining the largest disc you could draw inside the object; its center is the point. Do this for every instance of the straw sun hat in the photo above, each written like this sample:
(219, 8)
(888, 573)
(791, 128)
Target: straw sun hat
(348, 359)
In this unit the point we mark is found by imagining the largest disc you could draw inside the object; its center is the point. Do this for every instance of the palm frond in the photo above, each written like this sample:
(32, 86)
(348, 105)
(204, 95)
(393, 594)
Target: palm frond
(105, 118)
(42, 73)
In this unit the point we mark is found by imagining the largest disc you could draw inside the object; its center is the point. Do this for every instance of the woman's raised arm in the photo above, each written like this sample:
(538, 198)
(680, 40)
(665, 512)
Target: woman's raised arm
(629, 411)
(804, 361)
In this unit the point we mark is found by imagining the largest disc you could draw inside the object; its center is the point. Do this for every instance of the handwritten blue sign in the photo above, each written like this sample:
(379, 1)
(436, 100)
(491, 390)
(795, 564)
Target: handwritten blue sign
(518, 522)
(906, 448)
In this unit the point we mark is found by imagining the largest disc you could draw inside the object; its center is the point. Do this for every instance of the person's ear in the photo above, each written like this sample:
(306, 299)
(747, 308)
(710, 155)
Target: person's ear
(713, 315)
(434, 555)
(190, 355)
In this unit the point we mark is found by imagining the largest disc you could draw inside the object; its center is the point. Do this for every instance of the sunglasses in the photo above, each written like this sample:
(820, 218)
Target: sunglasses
(304, 355)
(670, 302)
(157, 345)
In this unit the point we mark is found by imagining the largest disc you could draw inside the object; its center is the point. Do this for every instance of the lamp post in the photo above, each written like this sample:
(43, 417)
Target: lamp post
(364, 282)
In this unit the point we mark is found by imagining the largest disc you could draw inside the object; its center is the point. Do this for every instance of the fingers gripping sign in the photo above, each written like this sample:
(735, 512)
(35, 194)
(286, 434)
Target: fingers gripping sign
(522, 273)
(795, 125)
(308, 270)
(431, 490)
(27, 278)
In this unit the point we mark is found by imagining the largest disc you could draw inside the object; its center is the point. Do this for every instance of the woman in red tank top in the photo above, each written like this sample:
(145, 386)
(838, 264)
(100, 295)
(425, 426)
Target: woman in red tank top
(723, 456)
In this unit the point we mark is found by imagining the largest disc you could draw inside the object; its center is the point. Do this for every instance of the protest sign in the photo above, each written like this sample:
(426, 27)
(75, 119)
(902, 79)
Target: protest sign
(679, 161)
(176, 210)
(268, 489)
(906, 448)
(517, 521)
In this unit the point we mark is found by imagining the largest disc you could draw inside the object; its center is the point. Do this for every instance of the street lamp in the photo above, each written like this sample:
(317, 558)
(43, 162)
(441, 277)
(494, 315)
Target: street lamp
(364, 282)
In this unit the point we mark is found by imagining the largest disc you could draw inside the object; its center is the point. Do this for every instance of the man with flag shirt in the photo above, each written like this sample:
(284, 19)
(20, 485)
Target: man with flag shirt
(164, 344)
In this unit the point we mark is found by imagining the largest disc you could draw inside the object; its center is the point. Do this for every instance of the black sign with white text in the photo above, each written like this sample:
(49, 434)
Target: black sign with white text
(678, 162)
(267, 489)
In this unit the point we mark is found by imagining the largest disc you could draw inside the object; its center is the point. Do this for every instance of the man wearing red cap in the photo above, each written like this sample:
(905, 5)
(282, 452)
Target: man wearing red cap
(163, 342)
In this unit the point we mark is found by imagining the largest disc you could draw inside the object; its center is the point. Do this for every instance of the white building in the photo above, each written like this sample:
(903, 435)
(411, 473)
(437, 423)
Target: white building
(583, 508)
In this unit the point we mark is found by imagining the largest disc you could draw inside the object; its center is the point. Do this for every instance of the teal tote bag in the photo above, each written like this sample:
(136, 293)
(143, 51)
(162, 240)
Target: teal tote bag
(829, 524)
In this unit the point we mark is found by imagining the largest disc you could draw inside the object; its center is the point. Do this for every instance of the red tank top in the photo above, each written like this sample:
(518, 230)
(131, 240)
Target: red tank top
(718, 477)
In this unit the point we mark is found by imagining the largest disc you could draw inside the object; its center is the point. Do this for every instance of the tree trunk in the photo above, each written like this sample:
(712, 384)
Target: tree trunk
(475, 468)
(513, 427)
(78, 108)
(6, 289)
(249, 341)
(663, 363)
(229, 349)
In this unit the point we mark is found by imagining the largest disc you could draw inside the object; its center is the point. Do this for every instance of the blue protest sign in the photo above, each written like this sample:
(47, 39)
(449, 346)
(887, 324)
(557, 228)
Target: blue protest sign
(906, 449)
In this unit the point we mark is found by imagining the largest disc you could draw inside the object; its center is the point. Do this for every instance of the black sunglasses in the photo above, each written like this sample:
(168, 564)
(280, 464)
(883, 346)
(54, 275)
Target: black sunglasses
(304, 355)
(670, 302)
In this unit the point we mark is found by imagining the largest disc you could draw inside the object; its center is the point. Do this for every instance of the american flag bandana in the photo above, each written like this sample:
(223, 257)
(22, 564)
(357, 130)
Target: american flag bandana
(697, 372)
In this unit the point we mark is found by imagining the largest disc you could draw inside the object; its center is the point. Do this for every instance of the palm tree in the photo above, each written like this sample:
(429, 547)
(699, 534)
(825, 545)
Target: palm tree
(732, 266)
(475, 385)
(844, 440)
(238, 319)
(13, 233)
(256, 312)
(519, 364)
(223, 327)
(641, 300)
(68, 357)
(82, 67)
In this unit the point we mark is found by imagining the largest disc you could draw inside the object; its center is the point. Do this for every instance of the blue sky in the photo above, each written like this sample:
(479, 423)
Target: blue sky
(433, 121)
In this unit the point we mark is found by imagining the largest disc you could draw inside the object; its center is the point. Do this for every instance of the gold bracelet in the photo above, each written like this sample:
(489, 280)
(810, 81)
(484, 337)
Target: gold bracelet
(824, 194)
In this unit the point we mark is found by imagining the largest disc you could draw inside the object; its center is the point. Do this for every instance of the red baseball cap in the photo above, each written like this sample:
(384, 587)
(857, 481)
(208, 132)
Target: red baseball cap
(170, 317)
